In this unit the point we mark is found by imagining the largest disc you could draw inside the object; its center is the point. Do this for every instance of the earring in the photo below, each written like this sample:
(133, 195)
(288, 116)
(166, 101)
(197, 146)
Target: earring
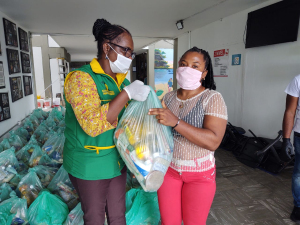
(106, 57)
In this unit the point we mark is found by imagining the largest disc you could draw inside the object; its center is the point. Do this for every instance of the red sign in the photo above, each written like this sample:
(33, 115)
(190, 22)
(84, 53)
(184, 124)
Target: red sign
(219, 53)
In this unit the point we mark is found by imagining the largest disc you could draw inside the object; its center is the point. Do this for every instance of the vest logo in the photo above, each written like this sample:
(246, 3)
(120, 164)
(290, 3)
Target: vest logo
(108, 92)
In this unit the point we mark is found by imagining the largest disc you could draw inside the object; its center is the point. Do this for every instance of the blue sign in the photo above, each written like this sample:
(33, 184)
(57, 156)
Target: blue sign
(236, 59)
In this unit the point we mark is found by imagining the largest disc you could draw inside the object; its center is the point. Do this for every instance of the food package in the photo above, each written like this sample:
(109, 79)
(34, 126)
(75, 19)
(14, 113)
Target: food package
(29, 187)
(145, 145)
(47, 209)
(62, 186)
(5, 190)
(29, 126)
(54, 147)
(75, 217)
(8, 165)
(4, 145)
(15, 141)
(45, 173)
(25, 153)
(13, 211)
(35, 156)
(22, 132)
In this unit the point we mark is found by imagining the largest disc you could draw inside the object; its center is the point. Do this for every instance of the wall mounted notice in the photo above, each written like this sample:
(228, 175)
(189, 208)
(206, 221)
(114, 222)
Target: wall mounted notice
(221, 63)
(2, 78)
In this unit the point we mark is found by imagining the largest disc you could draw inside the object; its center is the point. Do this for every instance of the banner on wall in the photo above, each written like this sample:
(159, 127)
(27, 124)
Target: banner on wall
(221, 63)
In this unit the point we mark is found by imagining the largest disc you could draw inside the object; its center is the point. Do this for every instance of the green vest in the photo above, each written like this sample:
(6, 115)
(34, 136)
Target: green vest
(93, 158)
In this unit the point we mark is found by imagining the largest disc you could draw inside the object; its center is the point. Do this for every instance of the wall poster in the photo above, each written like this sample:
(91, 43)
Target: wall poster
(27, 85)
(13, 61)
(23, 39)
(25, 61)
(163, 71)
(10, 30)
(4, 107)
(2, 78)
(221, 63)
(16, 88)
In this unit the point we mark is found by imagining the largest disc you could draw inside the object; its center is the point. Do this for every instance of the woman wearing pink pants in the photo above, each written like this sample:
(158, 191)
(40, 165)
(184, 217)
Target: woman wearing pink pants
(198, 115)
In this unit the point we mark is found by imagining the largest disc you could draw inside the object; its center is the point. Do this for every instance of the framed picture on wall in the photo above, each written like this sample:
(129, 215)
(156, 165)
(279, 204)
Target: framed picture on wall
(10, 31)
(25, 61)
(2, 78)
(0, 49)
(13, 61)
(16, 88)
(23, 40)
(4, 107)
(27, 82)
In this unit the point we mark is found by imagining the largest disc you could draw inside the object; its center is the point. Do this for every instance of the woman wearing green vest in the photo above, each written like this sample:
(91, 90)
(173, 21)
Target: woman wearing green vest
(96, 96)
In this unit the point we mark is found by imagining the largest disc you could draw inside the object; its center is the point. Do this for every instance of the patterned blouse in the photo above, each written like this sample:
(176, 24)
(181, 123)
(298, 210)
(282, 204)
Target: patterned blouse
(188, 157)
(81, 92)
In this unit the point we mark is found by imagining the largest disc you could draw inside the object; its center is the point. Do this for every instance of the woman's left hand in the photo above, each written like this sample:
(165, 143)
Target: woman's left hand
(164, 116)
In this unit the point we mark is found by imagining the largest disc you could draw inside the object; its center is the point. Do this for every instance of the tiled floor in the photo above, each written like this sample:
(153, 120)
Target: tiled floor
(249, 196)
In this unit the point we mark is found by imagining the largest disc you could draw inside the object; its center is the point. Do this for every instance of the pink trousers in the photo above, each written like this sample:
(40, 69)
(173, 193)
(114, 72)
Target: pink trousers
(186, 197)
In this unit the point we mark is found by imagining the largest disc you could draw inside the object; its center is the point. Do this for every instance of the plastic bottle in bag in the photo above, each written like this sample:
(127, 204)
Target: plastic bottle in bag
(145, 145)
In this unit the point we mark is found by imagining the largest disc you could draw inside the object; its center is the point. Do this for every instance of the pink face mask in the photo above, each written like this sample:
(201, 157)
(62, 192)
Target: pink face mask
(188, 78)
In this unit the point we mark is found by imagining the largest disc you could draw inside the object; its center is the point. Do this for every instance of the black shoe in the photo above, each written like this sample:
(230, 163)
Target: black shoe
(295, 216)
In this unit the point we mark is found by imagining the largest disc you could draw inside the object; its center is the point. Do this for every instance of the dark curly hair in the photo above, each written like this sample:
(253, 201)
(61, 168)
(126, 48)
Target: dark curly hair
(105, 31)
(209, 79)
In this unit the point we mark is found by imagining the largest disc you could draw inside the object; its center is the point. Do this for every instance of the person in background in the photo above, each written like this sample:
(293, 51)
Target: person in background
(291, 121)
(96, 96)
(198, 115)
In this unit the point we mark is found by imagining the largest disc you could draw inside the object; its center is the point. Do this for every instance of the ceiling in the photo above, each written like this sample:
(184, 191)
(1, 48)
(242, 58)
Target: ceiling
(70, 22)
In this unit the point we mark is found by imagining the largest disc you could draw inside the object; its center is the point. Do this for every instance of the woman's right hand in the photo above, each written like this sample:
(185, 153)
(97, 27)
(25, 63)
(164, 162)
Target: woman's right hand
(137, 91)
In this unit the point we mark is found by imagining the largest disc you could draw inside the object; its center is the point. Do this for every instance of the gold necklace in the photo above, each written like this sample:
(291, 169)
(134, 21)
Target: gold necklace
(181, 101)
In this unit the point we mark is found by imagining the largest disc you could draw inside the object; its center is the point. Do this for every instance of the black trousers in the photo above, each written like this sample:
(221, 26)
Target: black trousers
(100, 196)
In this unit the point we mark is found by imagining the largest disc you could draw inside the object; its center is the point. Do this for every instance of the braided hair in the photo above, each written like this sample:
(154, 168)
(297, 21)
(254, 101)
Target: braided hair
(105, 31)
(209, 79)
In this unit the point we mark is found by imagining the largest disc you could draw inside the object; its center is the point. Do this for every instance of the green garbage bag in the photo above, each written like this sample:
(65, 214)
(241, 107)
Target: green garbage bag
(62, 186)
(25, 153)
(145, 145)
(47, 161)
(8, 165)
(47, 136)
(142, 207)
(5, 190)
(33, 141)
(14, 182)
(75, 217)
(44, 113)
(62, 123)
(40, 132)
(47, 209)
(57, 115)
(35, 156)
(50, 122)
(38, 114)
(4, 145)
(13, 211)
(54, 147)
(34, 120)
(45, 173)
(16, 141)
(22, 132)
(29, 126)
(29, 187)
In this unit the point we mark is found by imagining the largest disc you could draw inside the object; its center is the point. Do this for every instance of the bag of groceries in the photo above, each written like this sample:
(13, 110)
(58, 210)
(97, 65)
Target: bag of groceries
(145, 145)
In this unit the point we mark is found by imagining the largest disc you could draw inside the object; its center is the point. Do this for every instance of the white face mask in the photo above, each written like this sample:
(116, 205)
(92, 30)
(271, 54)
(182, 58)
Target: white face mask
(121, 65)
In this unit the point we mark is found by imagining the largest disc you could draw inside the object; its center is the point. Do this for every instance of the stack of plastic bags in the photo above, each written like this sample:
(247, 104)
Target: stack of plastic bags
(145, 145)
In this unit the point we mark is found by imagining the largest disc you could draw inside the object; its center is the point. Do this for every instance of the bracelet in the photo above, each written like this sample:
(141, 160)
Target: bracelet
(176, 124)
